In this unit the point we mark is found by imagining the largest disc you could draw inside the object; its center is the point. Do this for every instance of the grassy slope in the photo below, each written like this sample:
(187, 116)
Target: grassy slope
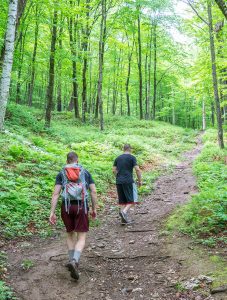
(32, 157)
(205, 216)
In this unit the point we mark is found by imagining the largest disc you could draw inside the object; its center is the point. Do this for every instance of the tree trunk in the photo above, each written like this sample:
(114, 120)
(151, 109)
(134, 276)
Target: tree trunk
(50, 88)
(31, 85)
(21, 4)
(101, 60)
(59, 91)
(223, 7)
(155, 73)
(140, 65)
(8, 59)
(146, 85)
(204, 116)
(21, 58)
(148, 104)
(214, 75)
(115, 86)
(84, 76)
(127, 81)
(72, 37)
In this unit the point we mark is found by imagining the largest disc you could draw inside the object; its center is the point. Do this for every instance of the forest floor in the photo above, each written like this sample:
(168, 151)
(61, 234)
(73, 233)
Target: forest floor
(137, 261)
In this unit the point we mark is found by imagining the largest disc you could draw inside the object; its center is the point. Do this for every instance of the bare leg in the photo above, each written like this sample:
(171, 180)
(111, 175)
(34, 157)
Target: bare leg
(127, 207)
(71, 240)
(80, 243)
(78, 246)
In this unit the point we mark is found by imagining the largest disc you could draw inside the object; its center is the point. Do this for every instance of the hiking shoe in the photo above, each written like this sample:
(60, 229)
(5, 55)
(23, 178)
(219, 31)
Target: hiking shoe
(73, 269)
(124, 217)
(67, 264)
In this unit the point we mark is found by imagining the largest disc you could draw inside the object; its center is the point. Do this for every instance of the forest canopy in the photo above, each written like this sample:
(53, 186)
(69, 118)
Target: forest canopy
(160, 60)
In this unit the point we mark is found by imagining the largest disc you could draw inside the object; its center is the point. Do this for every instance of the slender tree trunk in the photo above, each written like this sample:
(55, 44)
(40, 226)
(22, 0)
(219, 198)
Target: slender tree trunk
(204, 116)
(127, 81)
(84, 76)
(59, 91)
(212, 114)
(31, 85)
(8, 59)
(90, 87)
(50, 88)
(214, 75)
(108, 97)
(114, 89)
(115, 86)
(173, 109)
(146, 85)
(149, 77)
(72, 36)
(155, 73)
(101, 60)
(140, 65)
(21, 55)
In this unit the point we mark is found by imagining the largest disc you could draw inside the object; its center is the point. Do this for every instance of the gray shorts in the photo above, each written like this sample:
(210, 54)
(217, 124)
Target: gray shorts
(127, 193)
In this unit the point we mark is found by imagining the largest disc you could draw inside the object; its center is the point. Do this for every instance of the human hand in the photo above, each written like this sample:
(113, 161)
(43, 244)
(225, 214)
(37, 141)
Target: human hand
(53, 219)
(93, 213)
(140, 184)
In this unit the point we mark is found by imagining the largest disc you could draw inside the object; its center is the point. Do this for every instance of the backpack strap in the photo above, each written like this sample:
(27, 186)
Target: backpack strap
(65, 191)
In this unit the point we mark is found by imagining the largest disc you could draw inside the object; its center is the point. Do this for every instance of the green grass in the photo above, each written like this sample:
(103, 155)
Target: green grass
(5, 292)
(31, 158)
(205, 216)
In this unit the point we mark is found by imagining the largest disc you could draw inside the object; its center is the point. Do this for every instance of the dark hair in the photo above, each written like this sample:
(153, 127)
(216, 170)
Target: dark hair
(127, 147)
(72, 157)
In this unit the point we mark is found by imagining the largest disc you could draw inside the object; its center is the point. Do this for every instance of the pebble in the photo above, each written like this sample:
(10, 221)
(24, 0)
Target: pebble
(137, 290)
(101, 245)
(126, 290)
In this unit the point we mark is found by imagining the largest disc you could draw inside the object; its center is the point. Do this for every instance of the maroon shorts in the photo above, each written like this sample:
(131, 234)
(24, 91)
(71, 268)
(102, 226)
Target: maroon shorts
(75, 220)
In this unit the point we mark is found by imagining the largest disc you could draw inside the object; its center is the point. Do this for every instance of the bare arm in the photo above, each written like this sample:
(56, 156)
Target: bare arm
(115, 170)
(139, 175)
(93, 197)
(54, 201)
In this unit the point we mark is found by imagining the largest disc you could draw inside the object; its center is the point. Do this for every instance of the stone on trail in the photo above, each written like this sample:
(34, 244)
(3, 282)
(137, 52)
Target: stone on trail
(220, 289)
(132, 242)
(194, 283)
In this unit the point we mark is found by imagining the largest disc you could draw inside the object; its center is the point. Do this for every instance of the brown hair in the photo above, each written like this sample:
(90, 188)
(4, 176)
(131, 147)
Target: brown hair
(127, 147)
(72, 157)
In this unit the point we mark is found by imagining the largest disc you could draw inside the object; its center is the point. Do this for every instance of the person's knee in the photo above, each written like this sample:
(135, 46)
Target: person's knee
(71, 235)
(81, 237)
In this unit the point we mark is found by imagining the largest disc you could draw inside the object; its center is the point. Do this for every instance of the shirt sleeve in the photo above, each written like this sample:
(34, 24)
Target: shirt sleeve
(134, 161)
(89, 179)
(59, 180)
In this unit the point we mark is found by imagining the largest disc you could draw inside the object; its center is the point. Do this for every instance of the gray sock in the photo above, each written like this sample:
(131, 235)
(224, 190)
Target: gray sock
(71, 254)
(76, 255)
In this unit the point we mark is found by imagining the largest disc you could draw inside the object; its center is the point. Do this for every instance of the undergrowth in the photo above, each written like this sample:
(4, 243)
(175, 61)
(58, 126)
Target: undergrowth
(31, 157)
(205, 216)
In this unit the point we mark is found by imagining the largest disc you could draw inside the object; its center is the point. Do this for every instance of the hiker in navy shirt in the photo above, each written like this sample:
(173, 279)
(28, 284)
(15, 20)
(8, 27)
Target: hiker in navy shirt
(74, 182)
(126, 187)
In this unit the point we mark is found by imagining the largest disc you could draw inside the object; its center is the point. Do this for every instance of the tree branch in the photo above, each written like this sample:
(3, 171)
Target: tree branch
(198, 15)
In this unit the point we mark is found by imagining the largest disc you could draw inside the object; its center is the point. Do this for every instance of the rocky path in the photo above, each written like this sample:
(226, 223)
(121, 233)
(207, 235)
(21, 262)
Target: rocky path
(120, 262)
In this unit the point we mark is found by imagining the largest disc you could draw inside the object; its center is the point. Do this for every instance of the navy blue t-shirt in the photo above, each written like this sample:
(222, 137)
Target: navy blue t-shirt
(125, 164)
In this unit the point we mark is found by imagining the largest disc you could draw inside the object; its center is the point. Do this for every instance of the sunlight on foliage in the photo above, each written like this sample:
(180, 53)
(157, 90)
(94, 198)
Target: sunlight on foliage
(32, 157)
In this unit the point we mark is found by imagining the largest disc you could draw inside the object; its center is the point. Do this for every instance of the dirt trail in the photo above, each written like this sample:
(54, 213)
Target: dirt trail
(120, 262)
